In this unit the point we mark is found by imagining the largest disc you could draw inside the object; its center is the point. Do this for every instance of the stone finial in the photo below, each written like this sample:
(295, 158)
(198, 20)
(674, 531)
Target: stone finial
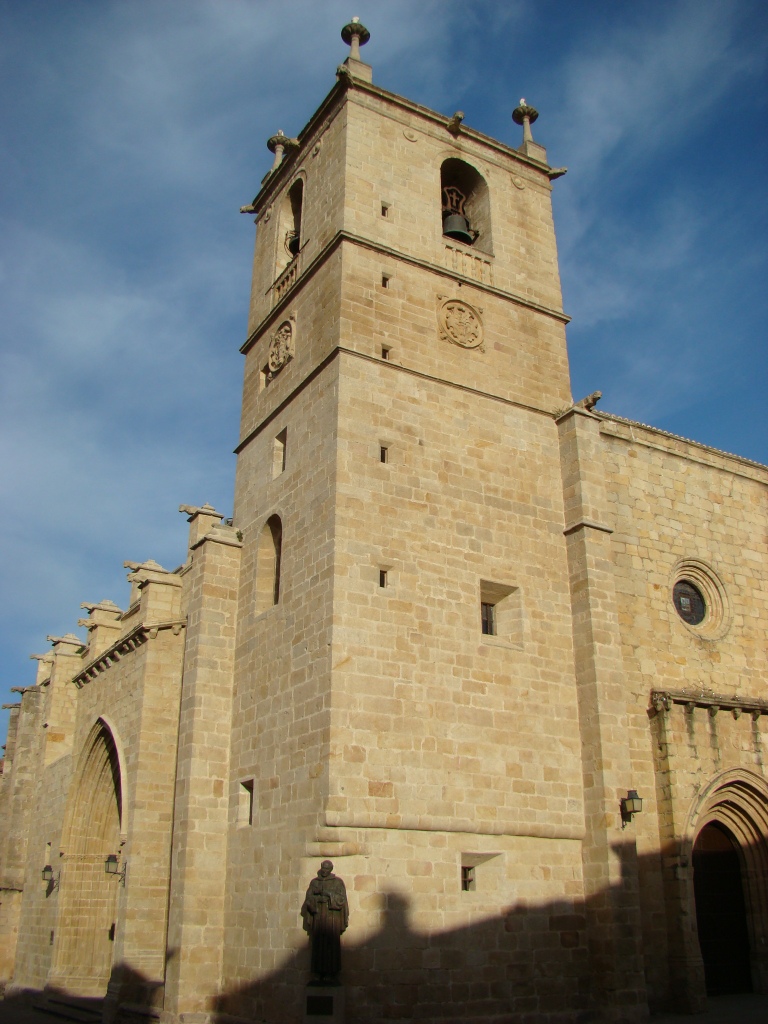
(525, 115)
(355, 35)
(277, 145)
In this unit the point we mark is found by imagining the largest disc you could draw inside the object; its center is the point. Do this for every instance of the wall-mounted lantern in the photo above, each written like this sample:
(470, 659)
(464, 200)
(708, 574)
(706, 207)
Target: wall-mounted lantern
(49, 877)
(112, 867)
(630, 804)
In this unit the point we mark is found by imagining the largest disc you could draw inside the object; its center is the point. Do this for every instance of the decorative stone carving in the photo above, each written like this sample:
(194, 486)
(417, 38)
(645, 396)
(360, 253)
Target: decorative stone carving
(460, 323)
(281, 347)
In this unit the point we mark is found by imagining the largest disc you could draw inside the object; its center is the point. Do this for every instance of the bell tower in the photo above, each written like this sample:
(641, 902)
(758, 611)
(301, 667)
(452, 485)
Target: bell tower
(404, 605)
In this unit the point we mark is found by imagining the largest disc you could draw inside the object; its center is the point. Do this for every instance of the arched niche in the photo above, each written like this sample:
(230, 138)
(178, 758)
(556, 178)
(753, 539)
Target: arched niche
(268, 559)
(289, 238)
(464, 193)
(88, 896)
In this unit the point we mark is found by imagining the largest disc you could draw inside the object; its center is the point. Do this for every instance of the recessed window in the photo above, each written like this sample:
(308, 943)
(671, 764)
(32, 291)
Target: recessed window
(265, 377)
(383, 453)
(501, 612)
(383, 577)
(689, 602)
(385, 352)
(467, 878)
(385, 279)
(245, 803)
(385, 209)
(487, 618)
(279, 453)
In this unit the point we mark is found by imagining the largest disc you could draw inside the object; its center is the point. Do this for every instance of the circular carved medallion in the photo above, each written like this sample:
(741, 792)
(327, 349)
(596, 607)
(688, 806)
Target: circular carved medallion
(281, 346)
(460, 323)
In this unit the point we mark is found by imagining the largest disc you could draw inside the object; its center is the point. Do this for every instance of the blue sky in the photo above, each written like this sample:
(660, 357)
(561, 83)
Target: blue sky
(134, 130)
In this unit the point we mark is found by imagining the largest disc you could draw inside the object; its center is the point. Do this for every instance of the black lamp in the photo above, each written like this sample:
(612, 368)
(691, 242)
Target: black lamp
(630, 804)
(111, 867)
(49, 877)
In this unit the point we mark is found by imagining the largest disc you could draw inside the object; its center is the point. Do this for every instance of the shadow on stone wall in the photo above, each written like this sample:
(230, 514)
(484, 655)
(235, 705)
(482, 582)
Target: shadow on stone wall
(527, 964)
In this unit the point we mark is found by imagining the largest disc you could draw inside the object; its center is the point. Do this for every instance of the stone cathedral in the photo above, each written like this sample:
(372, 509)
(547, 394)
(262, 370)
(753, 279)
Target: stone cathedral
(497, 655)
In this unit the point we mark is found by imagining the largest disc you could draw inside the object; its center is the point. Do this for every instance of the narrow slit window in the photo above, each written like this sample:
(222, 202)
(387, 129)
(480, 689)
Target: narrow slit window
(383, 453)
(268, 560)
(385, 279)
(385, 209)
(279, 453)
(467, 878)
(245, 803)
(488, 618)
(382, 577)
(385, 352)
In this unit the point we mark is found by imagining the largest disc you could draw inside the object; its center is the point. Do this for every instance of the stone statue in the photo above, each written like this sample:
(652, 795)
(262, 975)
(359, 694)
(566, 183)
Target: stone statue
(325, 913)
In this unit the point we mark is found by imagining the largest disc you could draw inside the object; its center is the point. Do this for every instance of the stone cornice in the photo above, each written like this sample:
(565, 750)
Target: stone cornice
(385, 250)
(588, 524)
(393, 367)
(634, 432)
(131, 641)
(662, 701)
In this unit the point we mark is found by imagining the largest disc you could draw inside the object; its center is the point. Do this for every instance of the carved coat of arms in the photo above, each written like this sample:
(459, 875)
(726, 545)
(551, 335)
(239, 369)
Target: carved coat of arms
(280, 347)
(460, 323)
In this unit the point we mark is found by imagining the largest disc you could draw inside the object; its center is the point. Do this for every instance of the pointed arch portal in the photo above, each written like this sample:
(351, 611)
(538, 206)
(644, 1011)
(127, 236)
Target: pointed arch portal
(82, 956)
(720, 911)
(730, 881)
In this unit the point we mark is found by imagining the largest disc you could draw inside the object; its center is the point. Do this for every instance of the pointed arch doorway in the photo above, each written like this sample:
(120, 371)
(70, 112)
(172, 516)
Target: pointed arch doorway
(728, 829)
(721, 916)
(87, 919)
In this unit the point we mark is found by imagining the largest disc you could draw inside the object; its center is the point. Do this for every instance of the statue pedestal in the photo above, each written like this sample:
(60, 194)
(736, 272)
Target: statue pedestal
(324, 1004)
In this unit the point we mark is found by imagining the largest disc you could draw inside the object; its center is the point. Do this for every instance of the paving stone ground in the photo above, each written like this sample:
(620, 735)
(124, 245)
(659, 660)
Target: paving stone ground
(742, 1009)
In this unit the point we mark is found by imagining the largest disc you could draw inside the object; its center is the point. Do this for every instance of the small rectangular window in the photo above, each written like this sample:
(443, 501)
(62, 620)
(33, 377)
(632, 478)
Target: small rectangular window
(487, 618)
(382, 577)
(385, 279)
(467, 878)
(245, 803)
(501, 613)
(385, 352)
(265, 376)
(279, 453)
(385, 209)
(383, 453)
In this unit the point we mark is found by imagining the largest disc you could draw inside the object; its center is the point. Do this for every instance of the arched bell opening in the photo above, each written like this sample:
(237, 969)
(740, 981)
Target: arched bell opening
(289, 238)
(88, 896)
(721, 917)
(465, 205)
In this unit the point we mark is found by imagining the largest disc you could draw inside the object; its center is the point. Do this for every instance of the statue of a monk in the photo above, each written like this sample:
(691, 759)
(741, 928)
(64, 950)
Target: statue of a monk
(325, 913)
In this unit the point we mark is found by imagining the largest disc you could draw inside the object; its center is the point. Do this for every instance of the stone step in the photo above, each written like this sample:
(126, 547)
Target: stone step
(84, 1011)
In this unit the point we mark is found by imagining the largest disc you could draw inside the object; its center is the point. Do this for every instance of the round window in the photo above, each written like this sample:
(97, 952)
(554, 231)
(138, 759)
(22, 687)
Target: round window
(689, 602)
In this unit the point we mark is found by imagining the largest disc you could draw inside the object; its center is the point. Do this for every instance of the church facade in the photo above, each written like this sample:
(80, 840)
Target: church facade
(497, 655)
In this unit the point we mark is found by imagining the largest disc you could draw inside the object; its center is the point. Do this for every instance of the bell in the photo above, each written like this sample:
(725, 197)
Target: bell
(455, 226)
(292, 243)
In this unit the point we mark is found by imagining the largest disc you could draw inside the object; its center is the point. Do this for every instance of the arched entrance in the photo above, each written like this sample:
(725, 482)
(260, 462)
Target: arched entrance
(720, 911)
(728, 844)
(85, 931)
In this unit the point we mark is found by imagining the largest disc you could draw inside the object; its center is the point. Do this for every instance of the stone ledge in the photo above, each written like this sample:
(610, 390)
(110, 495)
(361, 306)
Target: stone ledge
(662, 701)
